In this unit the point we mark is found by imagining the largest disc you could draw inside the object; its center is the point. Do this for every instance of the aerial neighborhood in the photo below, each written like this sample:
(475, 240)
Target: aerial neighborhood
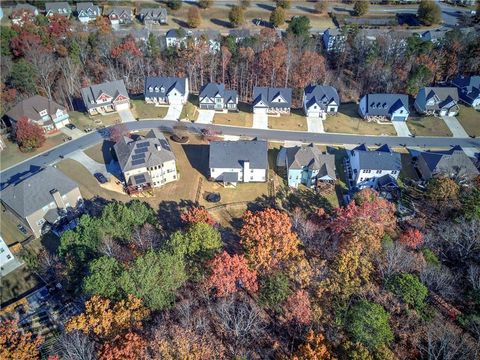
(240, 179)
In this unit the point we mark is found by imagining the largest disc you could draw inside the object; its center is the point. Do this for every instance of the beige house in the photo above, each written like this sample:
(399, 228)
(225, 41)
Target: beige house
(146, 161)
(42, 200)
(107, 97)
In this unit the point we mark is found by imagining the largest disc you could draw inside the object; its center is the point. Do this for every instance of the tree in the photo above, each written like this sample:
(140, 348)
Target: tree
(205, 4)
(103, 278)
(194, 19)
(118, 131)
(23, 77)
(368, 324)
(300, 26)
(418, 77)
(409, 288)
(442, 189)
(411, 238)
(174, 4)
(315, 347)
(471, 204)
(236, 16)
(286, 4)
(75, 345)
(197, 214)
(129, 346)
(200, 240)
(268, 239)
(429, 13)
(228, 274)
(360, 8)
(15, 344)
(155, 277)
(29, 136)
(245, 4)
(320, 7)
(6, 35)
(277, 16)
(274, 290)
(297, 308)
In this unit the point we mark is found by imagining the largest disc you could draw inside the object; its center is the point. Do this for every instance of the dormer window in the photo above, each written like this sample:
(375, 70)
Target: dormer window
(150, 88)
(162, 89)
(156, 89)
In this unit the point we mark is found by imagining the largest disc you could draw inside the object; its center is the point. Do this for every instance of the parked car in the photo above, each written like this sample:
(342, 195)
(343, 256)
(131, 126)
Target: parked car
(100, 178)
(70, 126)
(22, 229)
(87, 129)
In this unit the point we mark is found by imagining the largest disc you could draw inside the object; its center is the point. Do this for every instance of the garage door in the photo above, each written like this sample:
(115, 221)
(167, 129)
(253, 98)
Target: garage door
(443, 112)
(207, 106)
(260, 110)
(398, 118)
(122, 106)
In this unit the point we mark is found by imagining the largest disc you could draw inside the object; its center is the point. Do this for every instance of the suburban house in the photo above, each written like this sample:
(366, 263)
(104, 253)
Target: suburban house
(453, 163)
(211, 37)
(214, 97)
(441, 101)
(87, 11)
(152, 16)
(61, 8)
(166, 90)
(306, 165)
(176, 38)
(120, 15)
(318, 101)
(8, 263)
(392, 107)
(364, 167)
(39, 110)
(22, 12)
(434, 36)
(231, 162)
(146, 161)
(107, 97)
(42, 200)
(468, 89)
(334, 39)
(271, 100)
(239, 34)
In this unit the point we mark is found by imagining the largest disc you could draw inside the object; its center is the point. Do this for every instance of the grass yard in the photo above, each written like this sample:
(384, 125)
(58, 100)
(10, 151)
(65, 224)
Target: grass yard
(12, 155)
(243, 117)
(428, 126)
(190, 109)
(295, 121)
(102, 153)
(347, 121)
(147, 111)
(9, 230)
(470, 120)
(82, 120)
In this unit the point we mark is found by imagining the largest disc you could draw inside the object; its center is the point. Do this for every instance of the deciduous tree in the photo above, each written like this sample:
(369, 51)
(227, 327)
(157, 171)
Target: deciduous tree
(360, 8)
(197, 214)
(320, 7)
(236, 16)
(429, 13)
(205, 4)
(286, 4)
(411, 238)
(297, 308)
(277, 17)
(200, 240)
(315, 347)
(17, 345)
(129, 346)
(29, 136)
(442, 189)
(193, 17)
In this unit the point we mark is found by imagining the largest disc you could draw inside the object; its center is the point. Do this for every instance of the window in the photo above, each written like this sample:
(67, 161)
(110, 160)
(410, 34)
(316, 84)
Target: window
(251, 177)
(332, 109)
(379, 171)
(394, 172)
(2, 250)
(9, 257)
(251, 170)
(41, 222)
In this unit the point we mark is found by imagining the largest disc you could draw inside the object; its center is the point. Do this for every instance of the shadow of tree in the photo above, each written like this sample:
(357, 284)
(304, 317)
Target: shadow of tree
(169, 213)
(181, 23)
(305, 199)
(261, 203)
(266, 7)
(223, 23)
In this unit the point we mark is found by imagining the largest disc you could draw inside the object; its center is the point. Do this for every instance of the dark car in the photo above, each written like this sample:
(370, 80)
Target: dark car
(213, 197)
(70, 126)
(22, 229)
(100, 178)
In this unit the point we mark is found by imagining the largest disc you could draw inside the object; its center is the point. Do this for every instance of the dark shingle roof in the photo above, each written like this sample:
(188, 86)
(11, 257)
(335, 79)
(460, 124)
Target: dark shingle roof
(384, 104)
(452, 161)
(111, 88)
(167, 83)
(56, 6)
(468, 86)
(268, 94)
(310, 156)
(84, 6)
(152, 13)
(321, 95)
(33, 193)
(32, 106)
(232, 154)
(211, 90)
(443, 95)
(379, 159)
(119, 11)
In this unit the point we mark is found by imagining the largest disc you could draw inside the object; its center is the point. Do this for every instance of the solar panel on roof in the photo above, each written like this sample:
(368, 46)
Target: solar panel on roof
(138, 162)
(138, 157)
(141, 150)
(143, 144)
(140, 179)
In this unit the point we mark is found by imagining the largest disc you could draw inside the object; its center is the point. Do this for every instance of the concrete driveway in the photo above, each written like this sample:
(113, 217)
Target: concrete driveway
(260, 121)
(93, 166)
(401, 128)
(455, 127)
(315, 125)
(75, 133)
(205, 116)
(174, 112)
(126, 116)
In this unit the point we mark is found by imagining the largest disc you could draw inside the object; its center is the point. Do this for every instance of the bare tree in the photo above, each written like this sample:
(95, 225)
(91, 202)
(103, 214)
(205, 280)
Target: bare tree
(440, 280)
(75, 345)
(396, 258)
(45, 64)
(473, 276)
(146, 238)
(70, 71)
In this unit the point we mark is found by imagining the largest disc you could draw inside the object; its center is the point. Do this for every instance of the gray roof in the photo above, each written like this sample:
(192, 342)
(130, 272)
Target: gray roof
(310, 156)
(33, 193)
(385, 104)
(211, 90)
(239, 33)
(468, 87)
(433, 35)
(24, 7)
(321, 95)
(31, 108)
(452, 161)
(167, 84)
(175, 33)
(445, 96)
(209, 34)
(152, 13)
(85, 6)
(121, 11)
(232, 154)
(146, 151)
(111, 88)
(380, 159)
(56, 6)
(268, 94)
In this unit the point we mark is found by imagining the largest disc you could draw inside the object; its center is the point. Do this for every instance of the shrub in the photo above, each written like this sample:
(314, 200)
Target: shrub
(274, 290)
(430, 257)
(277, 17)
(360, 8)
(409, 288)
(236, 16)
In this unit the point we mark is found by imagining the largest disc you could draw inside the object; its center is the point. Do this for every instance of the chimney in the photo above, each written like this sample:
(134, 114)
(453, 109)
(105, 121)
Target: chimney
(57, 198)
(246, 171)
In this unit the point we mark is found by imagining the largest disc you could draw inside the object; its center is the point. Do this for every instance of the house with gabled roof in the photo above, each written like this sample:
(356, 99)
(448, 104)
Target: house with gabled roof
(307, 165)
(215, 97)
(150, 16)
(468, 89)
(120, 15)
(166, 90)
(334, 40)
(392, 107)
(41, 111)
(239, 34)
(22, 12)
(146, 161)
(106, 97)
(87, 11)
(42, 200)
(271, 100)
(453, 163)
(176, 38)
(318, 101)
(365, 167)
(61, 8)
(439, 101)
(231, 162)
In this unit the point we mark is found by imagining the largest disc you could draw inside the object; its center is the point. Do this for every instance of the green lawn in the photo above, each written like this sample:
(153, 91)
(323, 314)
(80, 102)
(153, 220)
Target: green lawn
(189, 112)
(428, 126)
(243, 117)
(83, 120)
(141, 110)
(470, 120)
(296, 120)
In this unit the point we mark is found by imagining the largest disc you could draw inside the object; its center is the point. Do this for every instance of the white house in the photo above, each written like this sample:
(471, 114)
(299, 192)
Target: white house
(162, 90)
(334, 40)
(231, 162)
(215, 97)
(176, 38)
(87, 11)
(365, 167)
(392, 107)
(107, 97)
(21, 12)
(318, 101)
(8, 262)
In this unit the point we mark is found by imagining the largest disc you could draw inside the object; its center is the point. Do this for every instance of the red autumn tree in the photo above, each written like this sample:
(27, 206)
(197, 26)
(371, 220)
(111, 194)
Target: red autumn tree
(197, 214)
(29, 136)
(229, 273)
(59, 26)
(130, 346)
(297, 308)
(24, 42)
(411, 238)
(268, 239)
(118, 132)
(128, 48)
(17, 345)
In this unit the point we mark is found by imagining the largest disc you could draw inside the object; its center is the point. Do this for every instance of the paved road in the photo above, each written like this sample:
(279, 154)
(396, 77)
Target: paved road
(21, 170)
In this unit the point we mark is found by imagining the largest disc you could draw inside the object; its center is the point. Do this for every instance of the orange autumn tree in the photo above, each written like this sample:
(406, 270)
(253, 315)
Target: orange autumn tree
(15, 345)
(197, 215)
(130, 346)
(297, 308)
(229, 273)
(314, 348)
(411, 238)
(268, 239)
(106, 320)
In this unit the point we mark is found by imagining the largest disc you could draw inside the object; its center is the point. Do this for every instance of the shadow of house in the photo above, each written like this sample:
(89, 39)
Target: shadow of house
(198, 157)
(180, 23)
(169, 213)
(15, 179)
(261, 203)
(307, 200)
(108, 153)
(266, 7)
(306, 9)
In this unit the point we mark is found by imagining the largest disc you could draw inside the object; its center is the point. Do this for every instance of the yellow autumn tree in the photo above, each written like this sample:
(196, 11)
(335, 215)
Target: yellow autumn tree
(15, 345)
(314, 348)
